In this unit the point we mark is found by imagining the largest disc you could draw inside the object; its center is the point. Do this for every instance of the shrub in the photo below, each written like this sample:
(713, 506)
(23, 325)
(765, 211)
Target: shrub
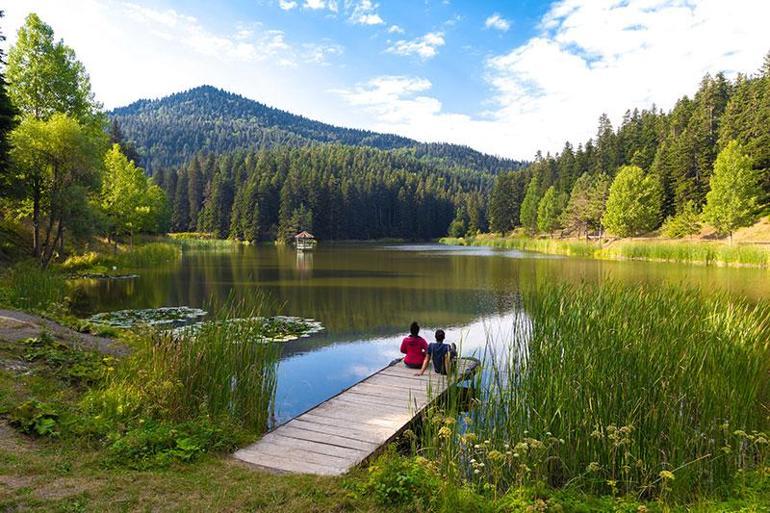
(397, 480)
(72, 365)
(684, 224)
(153, 444)
(35, 418)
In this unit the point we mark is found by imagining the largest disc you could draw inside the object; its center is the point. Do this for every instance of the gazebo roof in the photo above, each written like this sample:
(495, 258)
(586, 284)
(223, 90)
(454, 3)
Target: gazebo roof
(304, 235)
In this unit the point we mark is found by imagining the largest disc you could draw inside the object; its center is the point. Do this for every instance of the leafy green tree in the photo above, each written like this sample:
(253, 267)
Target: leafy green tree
(586, 204)
(57, 161)
(684, 224)
(45, 76)
(548, 210)
(130, 200)
(633, 205)
(528, 216)
(733, 200)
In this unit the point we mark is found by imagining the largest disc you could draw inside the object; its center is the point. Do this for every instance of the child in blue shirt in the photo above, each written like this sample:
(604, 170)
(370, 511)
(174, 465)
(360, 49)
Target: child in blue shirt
(442, 355)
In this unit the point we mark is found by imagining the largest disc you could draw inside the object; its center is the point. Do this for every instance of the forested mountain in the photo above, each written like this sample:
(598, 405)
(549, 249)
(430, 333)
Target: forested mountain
(676, 152)
(335, 191)
(170, 130)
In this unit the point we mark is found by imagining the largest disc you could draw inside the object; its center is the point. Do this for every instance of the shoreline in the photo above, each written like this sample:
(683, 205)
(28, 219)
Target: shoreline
(701, 253)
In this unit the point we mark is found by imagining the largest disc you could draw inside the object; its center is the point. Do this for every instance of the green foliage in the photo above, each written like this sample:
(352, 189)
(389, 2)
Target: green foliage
(46, 78)
(587, 203)
(129, 200)
(153, 444)
(74, 366)
(140, 256)
(733, 200)
(505, 201)
(549, 210)
(634, 203)
(528, 215)
(395, 480)
(57, 162)
(684, 224)
(35, 418)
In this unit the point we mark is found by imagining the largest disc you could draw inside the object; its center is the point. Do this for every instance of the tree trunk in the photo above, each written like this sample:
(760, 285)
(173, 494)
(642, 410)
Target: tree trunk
(50, 249)
(36, 219)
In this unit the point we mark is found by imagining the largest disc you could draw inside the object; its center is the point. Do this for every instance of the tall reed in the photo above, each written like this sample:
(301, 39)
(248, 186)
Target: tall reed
(223, 369)
(650, 391)
(701, 253)
(28, 287)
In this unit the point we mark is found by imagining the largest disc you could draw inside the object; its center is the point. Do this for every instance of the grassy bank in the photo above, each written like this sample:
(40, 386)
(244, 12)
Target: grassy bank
(701, 253)
(144, 255)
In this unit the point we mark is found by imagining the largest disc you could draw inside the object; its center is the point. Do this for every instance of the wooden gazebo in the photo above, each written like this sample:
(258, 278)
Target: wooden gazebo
(304, 241)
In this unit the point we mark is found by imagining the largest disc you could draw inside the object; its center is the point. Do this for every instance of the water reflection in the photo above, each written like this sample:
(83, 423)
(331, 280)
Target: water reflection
(367, 294)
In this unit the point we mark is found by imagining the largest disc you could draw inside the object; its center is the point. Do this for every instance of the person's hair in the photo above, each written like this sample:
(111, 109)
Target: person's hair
(414, 329)
(440, 335)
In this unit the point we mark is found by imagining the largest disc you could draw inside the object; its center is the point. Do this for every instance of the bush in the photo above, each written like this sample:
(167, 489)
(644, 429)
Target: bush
(396, 480)
(35, 418)
(71, 365)
(153, 444)
(684, 224)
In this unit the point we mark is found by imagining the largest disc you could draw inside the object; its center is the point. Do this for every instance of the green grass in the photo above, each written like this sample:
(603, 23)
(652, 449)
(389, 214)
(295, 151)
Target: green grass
(701, 253)
(609, 389)
(140, 256)
(26, 286)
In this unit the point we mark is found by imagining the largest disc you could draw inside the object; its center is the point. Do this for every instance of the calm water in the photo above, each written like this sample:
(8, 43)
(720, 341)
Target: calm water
(367, 294)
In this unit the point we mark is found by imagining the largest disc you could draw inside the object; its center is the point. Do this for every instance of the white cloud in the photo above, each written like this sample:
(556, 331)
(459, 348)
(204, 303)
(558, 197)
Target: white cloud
(395, 29)
(497, 22)
(589, 57)
(365, 13)
(426, 47)
(178, 51)
(287, 5)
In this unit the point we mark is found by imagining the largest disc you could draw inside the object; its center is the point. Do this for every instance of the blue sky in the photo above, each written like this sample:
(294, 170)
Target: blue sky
(507, 78)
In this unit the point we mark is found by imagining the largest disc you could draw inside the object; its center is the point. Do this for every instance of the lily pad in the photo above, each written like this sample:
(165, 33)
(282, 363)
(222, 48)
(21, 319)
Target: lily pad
(279, 328)
(164, 317)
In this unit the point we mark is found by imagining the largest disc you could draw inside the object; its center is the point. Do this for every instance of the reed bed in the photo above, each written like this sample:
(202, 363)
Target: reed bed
(143, 256)
(29, 287)
(220, 370)
(655, 392)
(700, 253)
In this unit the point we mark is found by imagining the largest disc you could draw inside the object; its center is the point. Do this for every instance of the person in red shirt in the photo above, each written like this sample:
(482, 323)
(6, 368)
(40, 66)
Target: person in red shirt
(414, 347)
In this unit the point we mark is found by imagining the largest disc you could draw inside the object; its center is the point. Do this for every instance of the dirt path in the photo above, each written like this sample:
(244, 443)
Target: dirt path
(15, 325)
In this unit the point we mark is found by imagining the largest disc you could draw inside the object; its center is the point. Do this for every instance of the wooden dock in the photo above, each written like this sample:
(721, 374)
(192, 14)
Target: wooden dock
(347, 429)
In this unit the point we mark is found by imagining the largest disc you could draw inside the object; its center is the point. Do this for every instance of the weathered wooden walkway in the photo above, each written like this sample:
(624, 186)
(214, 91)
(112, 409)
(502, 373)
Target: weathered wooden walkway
(347, 429)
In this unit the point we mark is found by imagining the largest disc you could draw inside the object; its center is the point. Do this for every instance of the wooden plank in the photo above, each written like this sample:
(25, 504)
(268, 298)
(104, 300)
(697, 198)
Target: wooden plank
(356, 401)
(279, 464)
(348, 428)
(277, 439)
(311, 424)
(327, 438)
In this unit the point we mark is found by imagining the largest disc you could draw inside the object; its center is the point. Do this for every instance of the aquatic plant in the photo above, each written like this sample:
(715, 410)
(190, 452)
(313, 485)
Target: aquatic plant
(618, 390)
(279, 328)
(164, 317)
(140, 256)
(28, 287)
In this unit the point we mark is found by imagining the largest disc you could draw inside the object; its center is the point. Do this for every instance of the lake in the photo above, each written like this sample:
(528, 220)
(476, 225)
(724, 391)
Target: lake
(367, 294)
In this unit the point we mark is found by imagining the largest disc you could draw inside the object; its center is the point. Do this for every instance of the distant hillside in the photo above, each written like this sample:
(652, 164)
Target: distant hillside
(170, 130)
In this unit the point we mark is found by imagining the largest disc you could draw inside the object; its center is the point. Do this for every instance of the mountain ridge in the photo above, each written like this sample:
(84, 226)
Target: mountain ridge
(169, 130)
